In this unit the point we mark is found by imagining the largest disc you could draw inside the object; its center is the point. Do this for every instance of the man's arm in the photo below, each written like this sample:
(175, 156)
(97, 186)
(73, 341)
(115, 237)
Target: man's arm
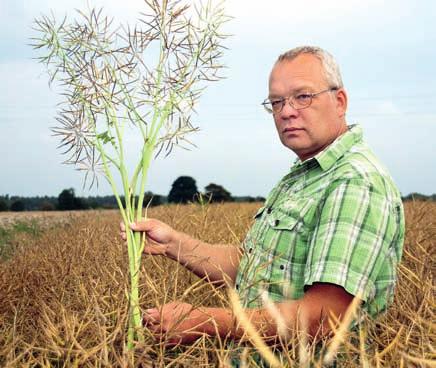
(218, 263)
(180, 323)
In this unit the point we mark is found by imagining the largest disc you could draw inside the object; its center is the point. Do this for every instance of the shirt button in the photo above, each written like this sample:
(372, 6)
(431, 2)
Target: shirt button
(237, 286)
(276, 222)
(282, 267)
(250, 250)
(268, 210)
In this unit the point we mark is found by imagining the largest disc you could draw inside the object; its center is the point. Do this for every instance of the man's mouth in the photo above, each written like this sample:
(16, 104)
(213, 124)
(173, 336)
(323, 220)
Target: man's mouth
(288, 130)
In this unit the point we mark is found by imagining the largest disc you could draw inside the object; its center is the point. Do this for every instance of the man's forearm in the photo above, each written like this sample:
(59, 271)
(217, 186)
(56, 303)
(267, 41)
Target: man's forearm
(219, 263)
(310, 313)
(223, 322)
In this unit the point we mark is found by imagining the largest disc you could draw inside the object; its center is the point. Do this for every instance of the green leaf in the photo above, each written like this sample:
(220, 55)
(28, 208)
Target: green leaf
(106, 138)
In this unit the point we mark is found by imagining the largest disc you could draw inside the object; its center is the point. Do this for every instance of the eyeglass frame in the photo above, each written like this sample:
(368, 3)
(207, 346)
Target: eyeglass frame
(289, 99)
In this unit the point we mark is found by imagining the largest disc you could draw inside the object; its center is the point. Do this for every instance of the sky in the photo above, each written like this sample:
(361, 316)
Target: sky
(385, 50)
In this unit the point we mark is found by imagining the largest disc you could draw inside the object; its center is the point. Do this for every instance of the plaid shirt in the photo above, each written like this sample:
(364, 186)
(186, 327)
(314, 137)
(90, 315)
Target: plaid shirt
(335, 218)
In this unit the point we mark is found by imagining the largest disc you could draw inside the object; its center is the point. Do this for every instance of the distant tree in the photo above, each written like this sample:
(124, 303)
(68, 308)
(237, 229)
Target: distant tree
(183, 190)
(217, 193)
(3, 205)
(66, 200)
(18, 206)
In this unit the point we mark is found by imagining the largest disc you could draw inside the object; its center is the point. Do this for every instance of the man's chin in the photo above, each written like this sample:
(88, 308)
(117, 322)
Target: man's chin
(293, 145)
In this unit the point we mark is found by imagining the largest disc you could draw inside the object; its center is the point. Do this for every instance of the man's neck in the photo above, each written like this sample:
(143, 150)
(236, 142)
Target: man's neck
(309, 155)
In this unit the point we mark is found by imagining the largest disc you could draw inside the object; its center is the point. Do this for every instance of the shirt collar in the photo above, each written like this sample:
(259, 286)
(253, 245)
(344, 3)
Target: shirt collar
(337, 149)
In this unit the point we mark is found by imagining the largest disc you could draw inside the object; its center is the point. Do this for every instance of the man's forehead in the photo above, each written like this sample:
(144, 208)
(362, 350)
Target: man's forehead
(302, 73)
(301, 66)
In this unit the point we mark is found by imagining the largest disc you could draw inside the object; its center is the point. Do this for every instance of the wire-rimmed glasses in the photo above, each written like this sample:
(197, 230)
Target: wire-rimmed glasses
(298, 101)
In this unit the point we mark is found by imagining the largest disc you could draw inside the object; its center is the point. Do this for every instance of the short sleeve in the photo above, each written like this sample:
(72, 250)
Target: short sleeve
(352, 236)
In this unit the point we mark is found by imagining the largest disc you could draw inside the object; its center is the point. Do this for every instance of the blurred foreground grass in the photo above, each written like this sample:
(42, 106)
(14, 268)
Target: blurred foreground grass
(63, 294)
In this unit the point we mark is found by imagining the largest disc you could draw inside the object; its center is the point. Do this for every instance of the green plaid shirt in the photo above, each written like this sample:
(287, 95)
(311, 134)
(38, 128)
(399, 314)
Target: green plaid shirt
(335, 218)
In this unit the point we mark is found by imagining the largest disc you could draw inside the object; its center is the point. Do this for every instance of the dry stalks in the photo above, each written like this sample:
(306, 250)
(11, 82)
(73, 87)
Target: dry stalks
(63, 304)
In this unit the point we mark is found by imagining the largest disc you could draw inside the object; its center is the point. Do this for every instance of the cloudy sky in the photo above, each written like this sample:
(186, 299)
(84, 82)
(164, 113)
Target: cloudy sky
(385, 50)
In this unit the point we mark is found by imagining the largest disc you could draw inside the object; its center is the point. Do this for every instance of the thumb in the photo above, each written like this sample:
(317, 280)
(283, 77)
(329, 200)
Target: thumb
(139, 226)
(133, 226)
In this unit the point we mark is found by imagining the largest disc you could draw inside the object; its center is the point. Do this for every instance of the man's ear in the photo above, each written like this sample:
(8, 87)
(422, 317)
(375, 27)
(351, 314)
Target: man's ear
(341, 102)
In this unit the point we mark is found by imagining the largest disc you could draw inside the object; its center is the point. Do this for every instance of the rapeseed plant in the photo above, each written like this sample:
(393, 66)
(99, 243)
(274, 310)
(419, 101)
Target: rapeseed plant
(148, 77)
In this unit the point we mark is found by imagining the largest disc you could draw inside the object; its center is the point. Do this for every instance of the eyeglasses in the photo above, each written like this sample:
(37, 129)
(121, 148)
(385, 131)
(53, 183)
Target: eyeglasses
(298, 101)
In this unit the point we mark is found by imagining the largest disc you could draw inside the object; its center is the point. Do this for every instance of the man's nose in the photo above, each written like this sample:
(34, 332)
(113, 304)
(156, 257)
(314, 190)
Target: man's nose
(288, 110)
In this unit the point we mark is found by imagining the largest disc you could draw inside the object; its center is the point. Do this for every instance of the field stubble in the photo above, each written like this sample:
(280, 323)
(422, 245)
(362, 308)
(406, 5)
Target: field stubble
(63, 294)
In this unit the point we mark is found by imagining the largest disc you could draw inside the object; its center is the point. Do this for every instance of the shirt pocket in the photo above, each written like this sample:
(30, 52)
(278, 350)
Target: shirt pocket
(292, 214)
(289, 230)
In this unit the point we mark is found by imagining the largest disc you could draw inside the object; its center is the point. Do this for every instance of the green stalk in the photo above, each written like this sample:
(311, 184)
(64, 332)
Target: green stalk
(133, 244)
(89, 57)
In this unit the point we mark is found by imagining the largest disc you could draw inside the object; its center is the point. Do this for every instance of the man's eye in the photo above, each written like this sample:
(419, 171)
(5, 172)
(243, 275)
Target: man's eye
(302, 97)
(276, 102)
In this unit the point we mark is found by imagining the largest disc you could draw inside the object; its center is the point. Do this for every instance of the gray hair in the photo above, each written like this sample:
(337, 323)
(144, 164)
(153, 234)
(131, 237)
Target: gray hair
(329, 64)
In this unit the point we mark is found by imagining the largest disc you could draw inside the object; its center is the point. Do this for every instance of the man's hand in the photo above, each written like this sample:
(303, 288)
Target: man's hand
(175, 323)
(219, 263)
(160, 236)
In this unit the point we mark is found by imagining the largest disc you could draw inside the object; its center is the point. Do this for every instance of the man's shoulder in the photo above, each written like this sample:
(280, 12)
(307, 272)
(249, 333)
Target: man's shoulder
(361, 165)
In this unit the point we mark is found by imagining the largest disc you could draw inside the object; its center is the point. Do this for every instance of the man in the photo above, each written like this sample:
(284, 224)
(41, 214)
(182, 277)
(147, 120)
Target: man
(331, 229)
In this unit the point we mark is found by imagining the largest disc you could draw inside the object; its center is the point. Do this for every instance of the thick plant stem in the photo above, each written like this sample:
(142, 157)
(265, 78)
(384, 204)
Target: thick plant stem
(109, 86)
(135, 325)
(135, 322)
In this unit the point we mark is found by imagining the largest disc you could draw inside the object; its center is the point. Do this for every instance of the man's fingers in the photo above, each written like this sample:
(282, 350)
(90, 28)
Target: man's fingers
(136, 226)
(140, 226)
(150, 317)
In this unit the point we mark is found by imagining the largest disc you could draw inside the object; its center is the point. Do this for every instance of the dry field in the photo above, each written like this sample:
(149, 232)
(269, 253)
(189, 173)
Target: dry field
(63, 285)
(41, 217)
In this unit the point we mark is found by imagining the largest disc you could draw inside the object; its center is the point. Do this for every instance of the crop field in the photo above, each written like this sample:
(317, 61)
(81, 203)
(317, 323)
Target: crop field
(63, 285)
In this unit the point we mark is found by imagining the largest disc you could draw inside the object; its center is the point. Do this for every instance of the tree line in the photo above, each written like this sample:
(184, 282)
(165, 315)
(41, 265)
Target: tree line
(419, 197)
(183, 190)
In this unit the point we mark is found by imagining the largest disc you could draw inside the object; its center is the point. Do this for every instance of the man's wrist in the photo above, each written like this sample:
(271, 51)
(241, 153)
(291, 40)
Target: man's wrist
(214, 321)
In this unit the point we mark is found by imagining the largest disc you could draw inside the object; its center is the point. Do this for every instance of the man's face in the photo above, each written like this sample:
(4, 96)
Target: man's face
(310, 130)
